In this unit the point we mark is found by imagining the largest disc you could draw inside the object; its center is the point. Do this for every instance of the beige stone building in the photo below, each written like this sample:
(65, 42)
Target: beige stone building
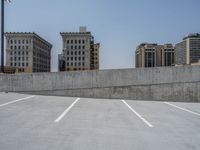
(154, 55)
(79, 51)
(28, 52)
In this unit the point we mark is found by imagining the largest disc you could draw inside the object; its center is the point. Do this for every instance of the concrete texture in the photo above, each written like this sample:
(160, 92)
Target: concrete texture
(165, 83)
(96, 124)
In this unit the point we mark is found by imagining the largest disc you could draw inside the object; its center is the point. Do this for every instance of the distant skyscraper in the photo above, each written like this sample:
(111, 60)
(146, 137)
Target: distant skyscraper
(28, 52)
(154, 55)
(79, 51)
(188, 51)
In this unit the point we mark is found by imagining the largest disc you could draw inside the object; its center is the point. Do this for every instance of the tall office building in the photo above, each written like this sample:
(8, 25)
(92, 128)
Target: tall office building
(188, 51)
(28, 52)
(79, 51)
(154, 55)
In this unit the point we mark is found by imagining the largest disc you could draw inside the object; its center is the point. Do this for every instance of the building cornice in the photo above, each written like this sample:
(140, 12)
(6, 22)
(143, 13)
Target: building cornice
(31, 34)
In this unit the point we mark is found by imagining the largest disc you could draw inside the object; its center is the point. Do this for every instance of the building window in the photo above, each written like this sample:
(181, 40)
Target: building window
(83, 58)
(26, 53)
(149, 59)
(26, 64)
(71, 53)
(26, 58)
(67, 41)
(83, 64)
(19, 53)
(11, 47)
(79, 41)
(83, 47)
(10, 53)
(71, 41)
(75, 41)
(83, 53)
(11, 58)
(83, 41)
(11, 64)
(71, 58)
(79, 47)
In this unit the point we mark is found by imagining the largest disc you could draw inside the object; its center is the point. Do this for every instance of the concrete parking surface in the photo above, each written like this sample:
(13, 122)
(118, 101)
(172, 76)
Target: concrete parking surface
(30, 122)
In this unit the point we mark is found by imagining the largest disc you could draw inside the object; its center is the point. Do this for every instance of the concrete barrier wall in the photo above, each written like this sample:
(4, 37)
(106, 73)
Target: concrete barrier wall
(166, 83)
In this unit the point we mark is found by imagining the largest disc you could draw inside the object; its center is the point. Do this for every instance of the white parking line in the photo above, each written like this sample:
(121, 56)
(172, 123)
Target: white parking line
(66, 111)
(137, 114)
(187, 110)
(18, 100)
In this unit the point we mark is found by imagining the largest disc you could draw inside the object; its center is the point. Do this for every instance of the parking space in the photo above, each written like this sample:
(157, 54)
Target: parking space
(5, 97)
(44, 122)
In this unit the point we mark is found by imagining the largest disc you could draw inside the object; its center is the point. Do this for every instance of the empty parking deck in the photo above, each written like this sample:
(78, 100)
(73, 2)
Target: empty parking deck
(31, 122)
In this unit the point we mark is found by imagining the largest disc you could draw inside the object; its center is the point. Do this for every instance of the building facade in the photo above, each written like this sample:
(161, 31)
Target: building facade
(154, 55)
(79, 51)
(28, 52)
(188, 51)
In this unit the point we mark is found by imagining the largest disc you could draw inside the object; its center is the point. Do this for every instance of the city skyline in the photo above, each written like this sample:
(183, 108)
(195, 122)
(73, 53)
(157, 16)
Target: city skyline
(120, 27)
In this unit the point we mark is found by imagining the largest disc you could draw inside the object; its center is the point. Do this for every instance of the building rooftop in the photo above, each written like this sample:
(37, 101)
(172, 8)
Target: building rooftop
(192, 35)
(27, 34)
(75, 33)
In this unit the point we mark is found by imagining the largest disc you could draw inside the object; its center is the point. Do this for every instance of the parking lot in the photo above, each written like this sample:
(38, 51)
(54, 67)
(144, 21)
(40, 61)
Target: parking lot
(30, 122)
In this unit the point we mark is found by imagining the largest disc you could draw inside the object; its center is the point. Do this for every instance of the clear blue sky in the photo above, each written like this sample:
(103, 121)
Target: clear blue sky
(119, 25)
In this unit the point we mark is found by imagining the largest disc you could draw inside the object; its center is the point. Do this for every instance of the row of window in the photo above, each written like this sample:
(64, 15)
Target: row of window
(75, 53)
(75, 41)
(75, 69)
(39, 66)
(18, 64)
(19, 53)
(18, 41)
(75, 64)
(18, 47)
(19, 58)
(75, 58)
(41, 61)
(75, 47)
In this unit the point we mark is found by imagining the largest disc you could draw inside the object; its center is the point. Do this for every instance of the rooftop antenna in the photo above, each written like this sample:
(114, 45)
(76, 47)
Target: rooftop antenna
(2, 33)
